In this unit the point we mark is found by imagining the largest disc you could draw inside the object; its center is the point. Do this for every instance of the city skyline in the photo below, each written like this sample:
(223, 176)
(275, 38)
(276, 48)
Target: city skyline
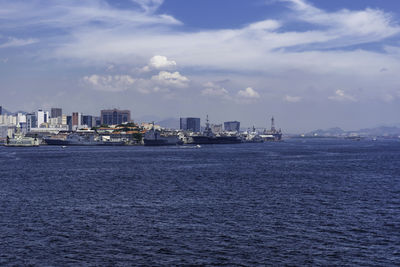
(310, 64)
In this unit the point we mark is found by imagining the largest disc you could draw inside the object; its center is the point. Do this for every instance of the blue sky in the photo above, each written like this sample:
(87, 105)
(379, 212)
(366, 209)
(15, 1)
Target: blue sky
(311, 64)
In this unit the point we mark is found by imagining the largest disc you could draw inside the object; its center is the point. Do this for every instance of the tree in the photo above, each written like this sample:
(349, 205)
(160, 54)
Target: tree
(137, 136)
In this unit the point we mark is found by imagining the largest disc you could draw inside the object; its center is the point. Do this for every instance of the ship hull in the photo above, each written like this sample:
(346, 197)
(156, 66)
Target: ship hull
(58, 142)
(206, 140)
(160, 142)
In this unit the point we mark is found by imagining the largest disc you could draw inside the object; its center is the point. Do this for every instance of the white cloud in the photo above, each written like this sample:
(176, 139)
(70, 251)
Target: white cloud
(249, 93)
(168, 79)
(110, 83)
(292, 99)
(149, 5)
(15, 42)
(159, 62)
(212, 89)
(265, 25)
(340, 95)
(356, 26)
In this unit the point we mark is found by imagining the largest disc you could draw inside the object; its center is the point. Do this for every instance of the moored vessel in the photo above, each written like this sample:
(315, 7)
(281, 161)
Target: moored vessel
(19, 140)
(81, 140)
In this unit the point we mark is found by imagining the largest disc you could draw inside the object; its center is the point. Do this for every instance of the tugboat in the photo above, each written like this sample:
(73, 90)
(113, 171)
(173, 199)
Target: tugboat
(208, 137)
(20, 140)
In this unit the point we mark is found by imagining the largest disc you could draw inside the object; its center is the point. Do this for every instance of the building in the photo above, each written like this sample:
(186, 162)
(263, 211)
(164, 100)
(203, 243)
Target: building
(41, 117)
(56, 112)
(76, 120)
(97, 121)
(115, 116)
(232, 126)
(87, 120)
(69, 122)
(64, 120)
(1, 110)
(31, 121)
(190, 124)
(21, 118)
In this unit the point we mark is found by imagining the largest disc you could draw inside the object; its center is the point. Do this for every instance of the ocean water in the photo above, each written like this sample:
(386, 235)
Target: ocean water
(298, 202)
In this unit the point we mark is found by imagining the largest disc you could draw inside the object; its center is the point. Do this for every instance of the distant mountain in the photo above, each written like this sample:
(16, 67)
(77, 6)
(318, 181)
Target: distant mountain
(377, 131)
(147, 118)
(335, 131)
(7, 112)
(381, 131)
(171, 123)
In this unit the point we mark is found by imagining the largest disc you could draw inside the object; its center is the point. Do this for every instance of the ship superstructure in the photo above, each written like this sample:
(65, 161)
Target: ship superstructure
(273, 134)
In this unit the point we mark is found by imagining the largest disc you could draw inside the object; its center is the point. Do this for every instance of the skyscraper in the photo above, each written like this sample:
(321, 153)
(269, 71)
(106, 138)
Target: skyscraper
(76, 119)
(115, 116)
(232, 126)
(31, 121)
(1, 110)
(56, 112)
(190, 124)
(87, 120)
(41, 117)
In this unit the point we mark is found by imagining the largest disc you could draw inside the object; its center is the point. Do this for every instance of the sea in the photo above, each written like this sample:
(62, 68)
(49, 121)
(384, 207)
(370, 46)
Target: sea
(300, 202)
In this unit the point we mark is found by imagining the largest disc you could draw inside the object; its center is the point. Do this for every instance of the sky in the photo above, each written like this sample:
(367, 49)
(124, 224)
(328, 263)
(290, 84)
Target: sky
(309, 63)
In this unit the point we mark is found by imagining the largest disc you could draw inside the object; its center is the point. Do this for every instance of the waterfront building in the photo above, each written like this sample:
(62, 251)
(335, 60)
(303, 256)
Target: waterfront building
(115, 116)
(64, 120)
(41, 117)
(190, 124)
(87, 120)
(56, 112)
(97, 121)
(8, 119)
(21, 118)
(69, 122)
(76, 118)
(232, 126)
(76, 121)
(31, 121)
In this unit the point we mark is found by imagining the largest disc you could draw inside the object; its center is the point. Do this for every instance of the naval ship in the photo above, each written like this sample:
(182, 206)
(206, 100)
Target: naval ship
(80, 140)
(155, 137)
(20, 140)
(273, 134)
(208, 137)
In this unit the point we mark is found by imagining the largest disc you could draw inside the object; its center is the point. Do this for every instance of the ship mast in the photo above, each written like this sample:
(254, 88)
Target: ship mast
(208, 131)
(273, 124)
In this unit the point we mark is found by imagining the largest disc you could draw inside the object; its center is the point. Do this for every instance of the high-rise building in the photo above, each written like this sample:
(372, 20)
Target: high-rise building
(56, 112)
(87, 120)
(69, 122)
(76, 119)
(1, 110)
(115, 116)
(97, 121)
(232, 126)
(64, 120)
(41, 117)
(31, 121)
(21, 118)
(190, 124)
